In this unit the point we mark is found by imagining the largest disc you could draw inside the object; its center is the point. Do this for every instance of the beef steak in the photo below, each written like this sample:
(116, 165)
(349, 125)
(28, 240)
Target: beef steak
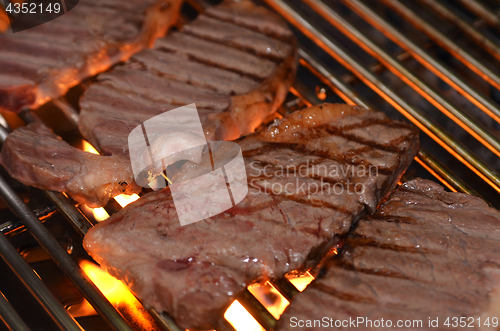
(426, 253)
(42, 159)
(304, 173)
(236, 62)
(43, 62)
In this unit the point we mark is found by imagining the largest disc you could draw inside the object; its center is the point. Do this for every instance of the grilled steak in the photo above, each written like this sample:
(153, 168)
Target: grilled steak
(426, 253)
(236, 62)
(310, 176)
(45, 61)
(42, 159)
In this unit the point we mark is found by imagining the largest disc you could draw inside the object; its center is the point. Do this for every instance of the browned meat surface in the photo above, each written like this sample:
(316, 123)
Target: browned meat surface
(42, 159)
(236, 62)
(426, 253)
(302, 172)
(43, 62)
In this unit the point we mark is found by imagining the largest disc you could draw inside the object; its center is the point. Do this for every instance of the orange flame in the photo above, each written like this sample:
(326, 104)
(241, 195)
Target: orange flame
(119, 296)
(270, 298)
(124, 200)
(100, 214)
(241, 319)
(87, 147)
(236, 314)
(300, 281)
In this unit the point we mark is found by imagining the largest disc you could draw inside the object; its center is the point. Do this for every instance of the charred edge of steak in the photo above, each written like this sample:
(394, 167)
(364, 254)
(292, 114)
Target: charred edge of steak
(293, 231)
(59, 67)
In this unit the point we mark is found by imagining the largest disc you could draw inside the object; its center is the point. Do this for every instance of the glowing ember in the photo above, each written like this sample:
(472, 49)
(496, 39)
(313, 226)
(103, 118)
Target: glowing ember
(87, 147)
(241, 319)
(100, 214)
(270, 298)
(124, 199)
(119, 296)
(112, 288)
(300, 281)
(82, 309)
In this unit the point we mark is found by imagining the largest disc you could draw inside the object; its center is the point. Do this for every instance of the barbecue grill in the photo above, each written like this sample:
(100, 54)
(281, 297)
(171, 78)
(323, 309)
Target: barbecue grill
(431, 62)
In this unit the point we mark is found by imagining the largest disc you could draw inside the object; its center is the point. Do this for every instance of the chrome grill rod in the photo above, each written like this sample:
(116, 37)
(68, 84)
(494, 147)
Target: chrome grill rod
(456, 185)
(464, 121)
(10, 317)
(479, 38)
(78, 220)
(75, 216)
(66, 199)
(60, 256)
(466, 58)
(438, 68)
(432, 129)
(35, 285)
(350, 96)
(483, 12)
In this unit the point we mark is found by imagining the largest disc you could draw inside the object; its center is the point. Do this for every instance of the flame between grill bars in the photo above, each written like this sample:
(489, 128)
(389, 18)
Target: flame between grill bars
(392, 53)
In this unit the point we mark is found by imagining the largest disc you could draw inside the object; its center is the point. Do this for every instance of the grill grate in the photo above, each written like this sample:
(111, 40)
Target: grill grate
(352, 49)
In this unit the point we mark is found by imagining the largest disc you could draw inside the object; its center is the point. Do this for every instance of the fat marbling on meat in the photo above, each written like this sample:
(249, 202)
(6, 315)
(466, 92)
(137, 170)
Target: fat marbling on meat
(43, 62)
(236, 62)
(425, 255)
(302, 174)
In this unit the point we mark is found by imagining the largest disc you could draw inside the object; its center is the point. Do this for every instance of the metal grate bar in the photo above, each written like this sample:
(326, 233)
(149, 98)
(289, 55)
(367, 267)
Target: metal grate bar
(82, 224)
(314, 65)
(466, 58)
(257, 310)
(62, 259)
(464, 121)
(442, 173)
(68, 111)
(481, 11)
(74, 215)
(78, 220)
(165, 321)
(10, 317)
(224, 325)
(37, 288)
(438, 68)
(286, 288)
(435, 167)
(467, 28)
(436, 132)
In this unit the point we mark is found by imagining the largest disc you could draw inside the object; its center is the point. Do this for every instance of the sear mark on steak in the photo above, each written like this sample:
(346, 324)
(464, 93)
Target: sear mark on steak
(424, 253)
(195, 271)
(42, 63)
(220, 65)
(234, 88)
